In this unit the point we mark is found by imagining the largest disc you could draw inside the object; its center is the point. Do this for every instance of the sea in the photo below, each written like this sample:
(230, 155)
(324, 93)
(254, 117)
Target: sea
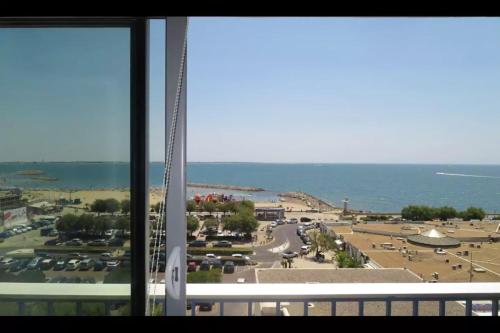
(371, 187)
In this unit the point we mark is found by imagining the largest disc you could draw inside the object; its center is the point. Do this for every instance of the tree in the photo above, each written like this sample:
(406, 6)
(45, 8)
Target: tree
(242, 222)
(98, 206)
(192, 224)
(156, 207)
(102, 223)
(191, 206)
(211, 223)
(444, 213)
(346, 261)
(86, 222)
(321, 242)
(209, 206)
(67, 223)
(125, 206)
(232, 206)
(247, 204)
(224, 207)
(417, 213)
(122, 223)
(112, 205)
(473, 213)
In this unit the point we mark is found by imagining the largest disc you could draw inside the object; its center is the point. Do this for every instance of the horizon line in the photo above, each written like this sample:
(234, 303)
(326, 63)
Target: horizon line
(260, 162)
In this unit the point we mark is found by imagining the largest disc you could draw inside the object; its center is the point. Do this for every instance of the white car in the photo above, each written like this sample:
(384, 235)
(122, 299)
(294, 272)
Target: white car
(274, 224)
(211, 256)
(240, 280)
(108, 233)
(247, 258)
(73, 264)
(112, 264)
(237, 255)
(106, 256)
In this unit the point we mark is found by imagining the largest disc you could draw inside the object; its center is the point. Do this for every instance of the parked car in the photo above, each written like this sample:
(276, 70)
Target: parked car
(47, 264)
(228, 267)
(198, 243)
(191, 267)
(6, 262)
(217, 263)
(52, 242)
(53, 233)
(60, 265)
(86, 264)
(99, 265)
(205, 306)
(74, 242)
(19, 265)
(210, 256)
(274, 224)
(289, 254)
(4, 235)
(35, 263)
(75, 255)
(223, 243)
(293, 221)
(73, 265)
(205, 265)
(305, 249)
(106, 256)
(116, 242)
(98, 242)
(108, 233)
(45, 231)
(112, 264)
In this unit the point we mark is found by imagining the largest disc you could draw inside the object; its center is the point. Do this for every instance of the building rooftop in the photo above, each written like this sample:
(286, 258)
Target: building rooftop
(354, 275)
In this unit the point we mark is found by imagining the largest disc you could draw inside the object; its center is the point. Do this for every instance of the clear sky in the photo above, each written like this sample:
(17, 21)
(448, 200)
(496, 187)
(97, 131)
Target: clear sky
(64, 94)
(375, 90)
(393, 90)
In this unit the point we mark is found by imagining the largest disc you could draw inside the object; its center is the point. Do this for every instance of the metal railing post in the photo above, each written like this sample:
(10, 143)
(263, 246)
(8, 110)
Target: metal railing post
(468, 307)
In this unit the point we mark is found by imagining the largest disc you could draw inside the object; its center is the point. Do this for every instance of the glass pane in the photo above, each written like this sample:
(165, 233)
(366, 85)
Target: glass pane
(65, 164)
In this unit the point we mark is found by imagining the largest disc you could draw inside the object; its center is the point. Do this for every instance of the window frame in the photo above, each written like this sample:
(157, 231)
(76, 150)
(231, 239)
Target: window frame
(138, 134)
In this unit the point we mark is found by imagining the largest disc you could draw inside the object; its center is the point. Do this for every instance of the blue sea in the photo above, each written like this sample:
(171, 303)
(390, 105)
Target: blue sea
(375, 187)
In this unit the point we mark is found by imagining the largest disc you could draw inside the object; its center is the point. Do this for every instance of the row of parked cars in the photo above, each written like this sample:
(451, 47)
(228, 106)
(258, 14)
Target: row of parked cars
(202, 243)
(23, 228)
(72, 262)
(79, 242)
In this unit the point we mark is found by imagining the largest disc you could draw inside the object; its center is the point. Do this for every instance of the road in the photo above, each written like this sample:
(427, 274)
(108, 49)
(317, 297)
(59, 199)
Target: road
(282, 234)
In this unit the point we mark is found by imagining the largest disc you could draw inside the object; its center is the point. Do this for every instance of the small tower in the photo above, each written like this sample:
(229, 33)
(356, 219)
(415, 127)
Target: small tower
(346, 209)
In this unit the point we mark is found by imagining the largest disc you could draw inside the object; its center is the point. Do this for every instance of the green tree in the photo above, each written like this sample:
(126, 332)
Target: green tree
(241, 222)
(125, 206)
(224, 207)
(211, 223)
(122, 223)
(346, 261)
(473, 213)
(418, 213)
(444, 213)
(156, 207)
(103, 223)
(191, 206)
(67, 223)
(247, 204)
(321, 242)
(112, 205)
(87, 222)
(192, 224)
(98, 206)
(232, 206)
(209, 206)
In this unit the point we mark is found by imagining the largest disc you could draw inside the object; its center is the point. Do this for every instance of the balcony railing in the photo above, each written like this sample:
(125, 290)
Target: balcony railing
(252, 294)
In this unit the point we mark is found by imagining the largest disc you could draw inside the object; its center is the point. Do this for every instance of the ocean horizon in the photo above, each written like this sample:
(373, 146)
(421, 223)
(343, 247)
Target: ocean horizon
(369, 186)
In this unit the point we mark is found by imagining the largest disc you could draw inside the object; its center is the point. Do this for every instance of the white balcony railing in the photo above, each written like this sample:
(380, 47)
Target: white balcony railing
(108, 294)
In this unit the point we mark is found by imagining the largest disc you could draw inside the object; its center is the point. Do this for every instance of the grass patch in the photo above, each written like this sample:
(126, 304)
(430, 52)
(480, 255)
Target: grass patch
(211, 276)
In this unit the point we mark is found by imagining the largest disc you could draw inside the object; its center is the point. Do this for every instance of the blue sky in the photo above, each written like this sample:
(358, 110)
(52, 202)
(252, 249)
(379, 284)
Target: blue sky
(374, 90)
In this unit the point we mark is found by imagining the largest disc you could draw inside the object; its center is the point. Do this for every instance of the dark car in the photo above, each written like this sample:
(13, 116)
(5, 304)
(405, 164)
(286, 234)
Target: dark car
(116, 242)
(98, 242)
(198, 243)
(47, 263)
(35, 263)
(228, 267)
(4, 235)
(223, 243)
(60, 264)
(45, 231)
(217, 263)
(52, 242)
(19, 265)
(289, 254)
(205, 306)
(205, 265)
(99, 265)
